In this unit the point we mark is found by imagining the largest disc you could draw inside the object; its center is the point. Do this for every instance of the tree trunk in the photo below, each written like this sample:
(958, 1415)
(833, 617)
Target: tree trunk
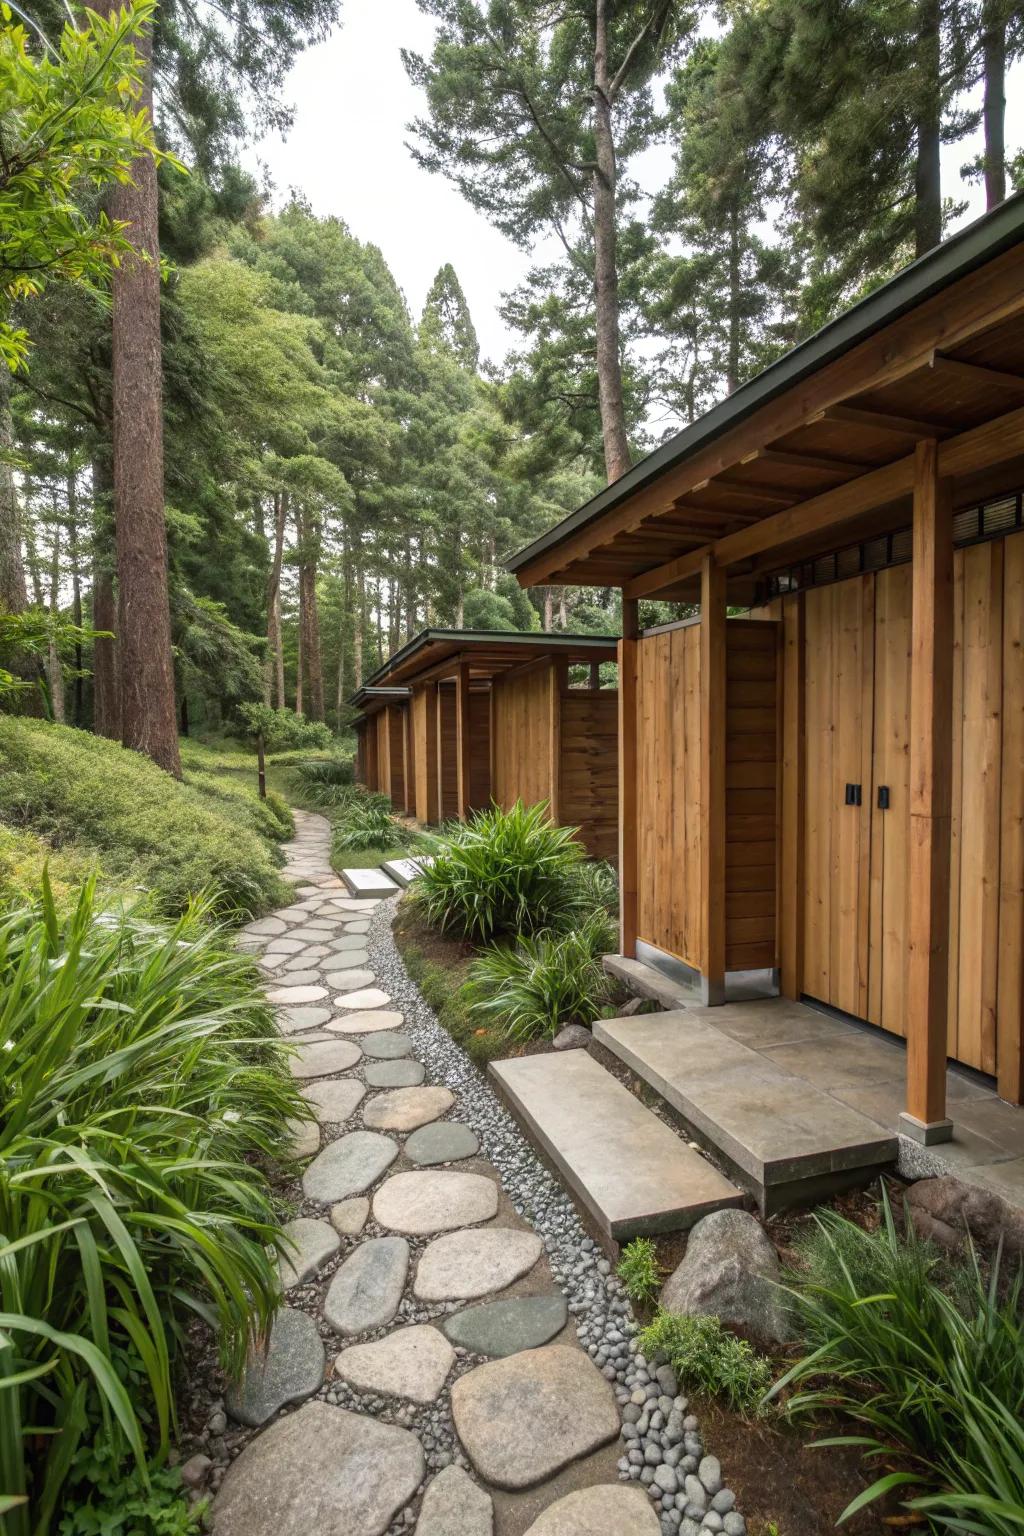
(606, 276)
(549, 600)
(994, 112)
(357, 630)
(106, 683)
(927, 170)
(76, 592)
(184, 714)
(733, 364)
(54, 670)
(148, 717)
(275, 652)
(309, 619)
(13, 591)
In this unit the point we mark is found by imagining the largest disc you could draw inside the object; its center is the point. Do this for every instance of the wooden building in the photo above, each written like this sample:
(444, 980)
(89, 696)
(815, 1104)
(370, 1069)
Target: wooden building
(495, 716)
(833, 785)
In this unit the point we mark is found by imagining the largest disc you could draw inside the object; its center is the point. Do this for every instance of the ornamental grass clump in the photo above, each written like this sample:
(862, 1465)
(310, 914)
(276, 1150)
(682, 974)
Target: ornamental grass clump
(640, 1271)
(145, 1092)
(367, 821)
(325, 781)
(533, 988)
(707, 1358)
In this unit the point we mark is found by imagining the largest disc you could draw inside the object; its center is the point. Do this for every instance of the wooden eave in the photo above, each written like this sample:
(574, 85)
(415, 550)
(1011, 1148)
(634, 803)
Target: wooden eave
(437, 656)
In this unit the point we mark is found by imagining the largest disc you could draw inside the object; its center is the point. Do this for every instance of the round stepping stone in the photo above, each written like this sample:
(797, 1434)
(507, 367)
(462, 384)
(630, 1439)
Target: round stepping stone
(305, 957)
(357, 927)
(453, 1502)
(365, 1023)
(302, 978)
(348, 960)
(323, 1470)
(294, 996)
(306, 933)
(403, 1109)
(602, 1510)
(394, 1074)
(349, 981)
(290, 1369)
(335, 1099)
(286, 946)
(292, 1021)
(447, 1141)
(384, 1046)
(362, 997)
(307, 1246)
(266, 925)
(367, 1288)
(348, 1166)
(503, 1328)
(434, 1202)
(464, 1265)
(305, 1137)
(349, 1216)
(324, 1057)
(348, 941)
(411, 1362)
(524, 1418)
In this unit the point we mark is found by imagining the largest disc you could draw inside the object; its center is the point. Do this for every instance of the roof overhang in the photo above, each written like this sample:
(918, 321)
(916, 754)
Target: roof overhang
(370, 701)
(438, 653)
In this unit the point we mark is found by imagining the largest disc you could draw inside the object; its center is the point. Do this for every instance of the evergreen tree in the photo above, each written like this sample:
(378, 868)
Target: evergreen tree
(447, 322)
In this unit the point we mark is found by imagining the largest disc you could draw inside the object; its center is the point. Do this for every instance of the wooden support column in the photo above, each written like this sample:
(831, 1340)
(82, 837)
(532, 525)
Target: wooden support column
(794, 789)
(629, 647)
(931, 775)
(558, 678)
(439, 754)
(462, 738)
(409, 763)
(712, 779)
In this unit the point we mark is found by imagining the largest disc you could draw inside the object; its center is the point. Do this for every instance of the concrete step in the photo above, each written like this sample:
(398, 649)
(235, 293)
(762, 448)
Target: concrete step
(785, 1140)
(368, 882)
(645, 981)
(625, 1166)
(402, 871)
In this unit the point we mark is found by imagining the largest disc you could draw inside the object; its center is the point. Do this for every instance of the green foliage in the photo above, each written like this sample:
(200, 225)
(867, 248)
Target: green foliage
(708, 1359)
(640, 1271)
(145, 1090)
(501, 872)
(444, 991)
(107, 1498)
(83, 793)
(366, 821)
(33, 633)
(932, 1371)
(282, 728)
(325, 781)
(533, 988)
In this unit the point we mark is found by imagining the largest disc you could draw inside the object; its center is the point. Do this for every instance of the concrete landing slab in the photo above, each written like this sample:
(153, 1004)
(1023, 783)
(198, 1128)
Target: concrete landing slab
(785, 1139)
(368, 882)
(629, 1170)
(401, 871)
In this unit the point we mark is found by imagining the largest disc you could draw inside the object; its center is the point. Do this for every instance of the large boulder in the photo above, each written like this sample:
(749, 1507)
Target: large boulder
(946, 1209)
(730, 1271)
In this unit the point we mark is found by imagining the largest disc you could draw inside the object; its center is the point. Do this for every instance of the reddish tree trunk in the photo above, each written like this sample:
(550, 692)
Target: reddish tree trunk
(606, 273)
(106, 683)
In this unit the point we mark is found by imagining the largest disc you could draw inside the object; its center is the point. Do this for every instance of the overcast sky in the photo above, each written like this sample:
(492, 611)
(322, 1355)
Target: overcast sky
(347, 153)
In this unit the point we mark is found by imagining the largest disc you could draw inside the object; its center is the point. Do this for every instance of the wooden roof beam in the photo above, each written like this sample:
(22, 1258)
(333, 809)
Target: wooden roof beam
(974, 374)
(769, 493)
(787, 459)
(879, 421)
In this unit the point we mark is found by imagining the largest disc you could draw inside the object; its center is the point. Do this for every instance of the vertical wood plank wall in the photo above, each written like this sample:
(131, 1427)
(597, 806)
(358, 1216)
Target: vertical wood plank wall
(479, 750)
(447, 752)
(522, 737)
(751, 793)
(588, 793)
(423, 709)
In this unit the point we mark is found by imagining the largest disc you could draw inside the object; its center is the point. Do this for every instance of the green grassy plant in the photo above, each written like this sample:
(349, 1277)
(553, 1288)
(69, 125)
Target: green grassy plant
(367, 822)
(640, 1271)
(144, 1093)
(706, 1358)
(533, 988)
(928, 1362)
(326, 782)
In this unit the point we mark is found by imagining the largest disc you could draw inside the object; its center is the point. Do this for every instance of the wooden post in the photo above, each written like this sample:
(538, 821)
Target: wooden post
(558, 678)
(629, 657)
(439, 740)
(261, 765)
(462, 736)
(595, 674)
(794, 788)
(931, 773)
(712, 779)
(409, 763)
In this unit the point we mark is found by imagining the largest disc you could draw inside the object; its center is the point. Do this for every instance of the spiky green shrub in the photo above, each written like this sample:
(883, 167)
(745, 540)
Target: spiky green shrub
(706, 1358)
(533, 988)
(928, 1362)
(640, 1271)
(501, 872)
(325, 781)
(144, 1093)
(367, 822)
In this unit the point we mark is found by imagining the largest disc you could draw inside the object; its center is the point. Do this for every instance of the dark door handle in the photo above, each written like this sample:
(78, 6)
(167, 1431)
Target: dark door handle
(883, 797)
(853, 794)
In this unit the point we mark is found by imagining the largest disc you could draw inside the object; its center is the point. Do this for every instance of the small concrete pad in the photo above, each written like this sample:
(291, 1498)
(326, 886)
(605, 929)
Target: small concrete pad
(320, 1470)
(324, 1057)
(599, 1511)
(626, 1166)
(365, 1022)
(411, 1362)
(524, 1418)
(307, 1246)
(363, 997)
(401, 871)
(463, 1265)
(420, 1203)
(503, 1328)
(368, 882)
(289, 1370)
(446, 1141)
(348, 1166)
(454, 1505)
(394, 1074)
(385, 1046)
(335, 1099)
(403, 1109)
(367, 1288)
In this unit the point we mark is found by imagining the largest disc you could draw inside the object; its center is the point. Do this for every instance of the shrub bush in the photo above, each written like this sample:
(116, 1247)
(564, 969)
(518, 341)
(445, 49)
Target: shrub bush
(144, 1091)
(325, 781)
(283, 729)
(707, 1359)
(640, 1271)
(502, 872)
(933, 1372)
(367, 821)
(533, 988)
(83, 793)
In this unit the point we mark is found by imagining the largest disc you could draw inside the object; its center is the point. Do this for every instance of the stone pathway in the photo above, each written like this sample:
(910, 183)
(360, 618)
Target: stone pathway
(426, 1374)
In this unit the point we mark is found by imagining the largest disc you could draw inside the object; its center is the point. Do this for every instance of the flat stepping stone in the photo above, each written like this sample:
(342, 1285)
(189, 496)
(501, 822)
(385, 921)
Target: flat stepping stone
(363, 997)
(324, 1057)
(355, 926)
(292, 1021)
(348, 1217)
(308, 1245)
(305, 957)
(335, 1099)
(446, 1141)
(463, 1265)
(394, 1074)
(320, 1470)
(385, 1046)
(283, 947)
(524, 1418)
(350, 959)
(367, 1288)
(302, 978)
(434, 1202)
(454, 1503)
(366, 1022)
(603, 1510)
(295, 996)
(402, 871)
(289, 1370)
(266, 925)
(348, 1166)
(307, 933)
(352, 905)
(503, 1328)
(348, 981)
(368, 882)
(305, 1137)
(411, 1362)
(403, 1109)
(349, 940)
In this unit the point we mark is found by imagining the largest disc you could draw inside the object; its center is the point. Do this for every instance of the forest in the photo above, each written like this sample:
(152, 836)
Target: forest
(227, 441)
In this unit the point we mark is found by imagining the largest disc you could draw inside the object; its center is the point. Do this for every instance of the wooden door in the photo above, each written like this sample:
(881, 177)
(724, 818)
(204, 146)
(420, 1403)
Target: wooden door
(890, 801)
